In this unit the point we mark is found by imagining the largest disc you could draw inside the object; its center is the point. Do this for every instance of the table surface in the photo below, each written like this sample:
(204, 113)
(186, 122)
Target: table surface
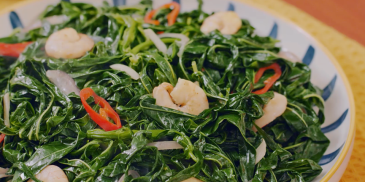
(347, 17)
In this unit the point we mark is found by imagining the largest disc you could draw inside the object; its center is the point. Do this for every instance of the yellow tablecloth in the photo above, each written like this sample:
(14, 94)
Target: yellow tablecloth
(349, 53)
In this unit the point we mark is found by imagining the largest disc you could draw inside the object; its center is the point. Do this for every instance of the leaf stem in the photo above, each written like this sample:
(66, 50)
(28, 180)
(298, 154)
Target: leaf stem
(124, 134)
(195, 68)
(149, 43)
(294, 146)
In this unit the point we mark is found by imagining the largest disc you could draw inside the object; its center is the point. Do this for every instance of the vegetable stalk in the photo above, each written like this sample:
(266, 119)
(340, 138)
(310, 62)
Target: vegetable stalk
(124, 134)
(148, 43)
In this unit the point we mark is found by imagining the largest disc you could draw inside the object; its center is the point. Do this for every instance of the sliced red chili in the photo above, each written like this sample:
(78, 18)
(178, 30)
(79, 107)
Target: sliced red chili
(2, 136)
(105, 111)
(13, 50)
(171, 17)
(149, 16)
(270, 81)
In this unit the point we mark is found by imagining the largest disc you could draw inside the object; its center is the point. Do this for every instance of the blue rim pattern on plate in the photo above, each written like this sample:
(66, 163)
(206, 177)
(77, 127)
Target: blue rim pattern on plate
(274, 31)
(231, 7)
(307, 59)
(327, 91)
(336, 124)
(329, 157)
(118, 2)
(15, 20)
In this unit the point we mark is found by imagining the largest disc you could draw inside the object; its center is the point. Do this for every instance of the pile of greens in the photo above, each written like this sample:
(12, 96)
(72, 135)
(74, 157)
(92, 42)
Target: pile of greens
(48, 127)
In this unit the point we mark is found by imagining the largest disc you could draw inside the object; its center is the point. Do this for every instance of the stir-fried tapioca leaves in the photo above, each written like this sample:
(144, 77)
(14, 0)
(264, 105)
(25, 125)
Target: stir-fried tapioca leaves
(187, 23)
(92, 159)
(211, 89)
(166, 118)
(147, 161)
(45, 155)
(310, 144)
(4, 72)
(218, 166)
(299, 170)
(104, 24)
(165, 67)
(119, 163)
(48, 127)
(39, 107)
(76, 15)
(17, 150)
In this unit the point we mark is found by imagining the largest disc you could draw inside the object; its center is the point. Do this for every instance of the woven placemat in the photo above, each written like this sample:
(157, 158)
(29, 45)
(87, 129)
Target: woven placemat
(350, 55)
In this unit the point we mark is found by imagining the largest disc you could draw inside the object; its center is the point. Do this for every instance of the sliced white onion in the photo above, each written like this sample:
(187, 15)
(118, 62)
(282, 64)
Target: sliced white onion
(56, 19)
(128, 70)
(260, 151)
(183, 40)
(286, 54)
(156, 40)
(51, 173)
(6, 109)
(133, 173)
(63, 81)
(3, 172)
(34, 25)
(166, 145)
(181, 50)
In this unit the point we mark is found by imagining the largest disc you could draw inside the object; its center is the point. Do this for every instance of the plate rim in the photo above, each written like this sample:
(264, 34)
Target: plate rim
(334, 61)
(340, 71)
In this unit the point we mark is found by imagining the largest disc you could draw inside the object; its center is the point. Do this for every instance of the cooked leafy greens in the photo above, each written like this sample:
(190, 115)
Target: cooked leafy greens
(48, 127)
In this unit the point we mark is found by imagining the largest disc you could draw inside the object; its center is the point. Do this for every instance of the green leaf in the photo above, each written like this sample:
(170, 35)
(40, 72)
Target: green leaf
(165, 67)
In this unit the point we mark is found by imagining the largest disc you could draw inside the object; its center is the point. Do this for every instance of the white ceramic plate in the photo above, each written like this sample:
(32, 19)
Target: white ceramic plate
(326, 73)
